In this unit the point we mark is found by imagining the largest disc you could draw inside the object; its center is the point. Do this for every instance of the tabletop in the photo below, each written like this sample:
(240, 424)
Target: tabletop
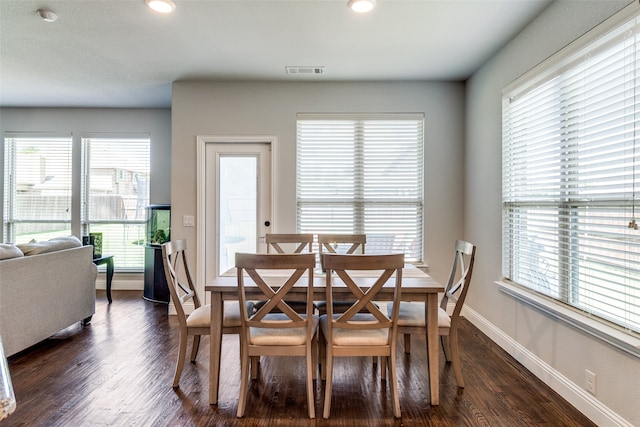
(415, 283)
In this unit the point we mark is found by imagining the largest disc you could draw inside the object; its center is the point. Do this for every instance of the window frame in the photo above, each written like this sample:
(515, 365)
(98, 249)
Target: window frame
(10, 220)
(87, 222)
(353, 133)
(623, 336)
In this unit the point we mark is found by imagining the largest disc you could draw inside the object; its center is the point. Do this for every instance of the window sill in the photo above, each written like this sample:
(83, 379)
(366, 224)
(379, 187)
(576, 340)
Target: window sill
(581, 321)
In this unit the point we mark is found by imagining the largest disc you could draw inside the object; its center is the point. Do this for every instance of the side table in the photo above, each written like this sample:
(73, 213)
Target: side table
(106, 259)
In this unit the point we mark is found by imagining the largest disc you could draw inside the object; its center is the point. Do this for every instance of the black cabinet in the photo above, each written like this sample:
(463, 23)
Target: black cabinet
(155, 281)
(158, 232)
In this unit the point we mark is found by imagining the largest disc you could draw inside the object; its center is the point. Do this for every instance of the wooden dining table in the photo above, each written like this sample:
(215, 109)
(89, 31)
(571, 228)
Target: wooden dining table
(416, 286)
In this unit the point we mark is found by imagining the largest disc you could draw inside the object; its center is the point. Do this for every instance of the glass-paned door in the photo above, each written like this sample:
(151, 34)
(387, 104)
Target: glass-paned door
(238, 202)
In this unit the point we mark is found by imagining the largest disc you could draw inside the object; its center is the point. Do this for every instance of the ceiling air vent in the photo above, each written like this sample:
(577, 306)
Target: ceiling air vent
(304, 70)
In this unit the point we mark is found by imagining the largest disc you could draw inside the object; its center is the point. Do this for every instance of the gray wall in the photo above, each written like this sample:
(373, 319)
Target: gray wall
(269, 108)
(462, 175)
(563, 348)
(156, 122)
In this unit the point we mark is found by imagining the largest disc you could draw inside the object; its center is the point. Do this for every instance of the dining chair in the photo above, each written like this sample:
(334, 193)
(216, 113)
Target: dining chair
(363, 329)
(411, 318)
(285, 332)
(288, 243)
(338, 243)
(183, 294)
(348, 243)
(280, 242)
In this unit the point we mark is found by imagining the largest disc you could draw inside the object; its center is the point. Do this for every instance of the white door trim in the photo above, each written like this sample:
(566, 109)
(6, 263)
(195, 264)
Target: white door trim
(201, 144)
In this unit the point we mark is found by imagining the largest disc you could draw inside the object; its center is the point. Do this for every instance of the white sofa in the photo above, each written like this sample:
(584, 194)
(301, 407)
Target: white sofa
(44, 293)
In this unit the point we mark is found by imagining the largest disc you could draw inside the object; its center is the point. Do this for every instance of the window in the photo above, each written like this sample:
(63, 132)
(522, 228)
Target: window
(115, 195)
(362, 174)
(37, 186)
(571, 173)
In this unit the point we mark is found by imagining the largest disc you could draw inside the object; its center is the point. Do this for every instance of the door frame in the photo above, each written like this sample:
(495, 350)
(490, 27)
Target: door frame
(201, 189)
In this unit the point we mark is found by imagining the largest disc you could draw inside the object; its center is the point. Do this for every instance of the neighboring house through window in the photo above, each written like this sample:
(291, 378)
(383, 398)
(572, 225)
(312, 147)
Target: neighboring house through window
(37, 186)
(116, 194)
(113, 191)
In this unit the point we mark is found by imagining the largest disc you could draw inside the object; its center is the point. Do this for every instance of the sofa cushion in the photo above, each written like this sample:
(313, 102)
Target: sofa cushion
(8, 250)
(55, 244)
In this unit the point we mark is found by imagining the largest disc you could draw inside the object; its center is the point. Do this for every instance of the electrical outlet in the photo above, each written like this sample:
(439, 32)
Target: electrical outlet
(590, 381)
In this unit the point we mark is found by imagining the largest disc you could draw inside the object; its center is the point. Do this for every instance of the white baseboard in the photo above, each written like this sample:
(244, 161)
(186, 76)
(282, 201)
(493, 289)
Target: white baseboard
(120, 283)
(579, 398)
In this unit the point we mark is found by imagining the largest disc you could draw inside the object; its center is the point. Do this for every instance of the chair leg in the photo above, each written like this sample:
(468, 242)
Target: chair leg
(195, 347)
(244, 382)
(446, 347)
(322, 351)
(383, 368)
(393, 384)
(311, 369)
(314, 358)
(327, 389)
(455, 358)
(407, 343)
(182, 353)
(255, 367)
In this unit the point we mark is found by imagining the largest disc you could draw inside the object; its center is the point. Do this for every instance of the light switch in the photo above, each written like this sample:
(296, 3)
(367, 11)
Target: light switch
(188, 221)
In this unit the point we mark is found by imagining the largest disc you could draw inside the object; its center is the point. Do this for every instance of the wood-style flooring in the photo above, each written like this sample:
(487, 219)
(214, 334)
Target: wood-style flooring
(117, 371)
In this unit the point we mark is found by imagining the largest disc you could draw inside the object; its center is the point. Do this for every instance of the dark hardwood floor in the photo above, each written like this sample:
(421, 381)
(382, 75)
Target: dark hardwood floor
(117, 371)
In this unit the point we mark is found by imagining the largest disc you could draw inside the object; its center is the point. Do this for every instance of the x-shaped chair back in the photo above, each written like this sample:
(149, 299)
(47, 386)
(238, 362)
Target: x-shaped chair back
(460, 276)
(327, 243)
(275, 289)
(175, 258)
(303, 241)
(345, 267)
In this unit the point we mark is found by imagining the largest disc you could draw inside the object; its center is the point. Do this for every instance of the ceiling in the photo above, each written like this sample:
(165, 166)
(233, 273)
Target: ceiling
(119, 53)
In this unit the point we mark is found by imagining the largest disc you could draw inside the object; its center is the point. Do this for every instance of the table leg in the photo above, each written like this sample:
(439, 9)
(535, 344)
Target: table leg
(215, 346)
(432, 346)
(109, 278)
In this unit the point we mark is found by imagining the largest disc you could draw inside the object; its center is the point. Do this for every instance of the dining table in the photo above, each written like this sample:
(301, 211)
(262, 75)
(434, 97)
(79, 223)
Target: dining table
(417, 285)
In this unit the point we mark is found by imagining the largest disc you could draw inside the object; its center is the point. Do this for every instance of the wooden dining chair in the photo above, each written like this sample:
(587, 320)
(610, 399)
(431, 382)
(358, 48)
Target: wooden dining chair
(411, 318)
(338, 243)
(363, 329)
(183, 293)
(285, 332)
(280, 242)
(288, 243)
(348, 243)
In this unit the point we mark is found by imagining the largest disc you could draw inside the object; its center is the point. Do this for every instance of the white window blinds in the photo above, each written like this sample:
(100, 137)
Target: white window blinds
(116, 170)
(571, 173)
(362, 174)
(37, 186)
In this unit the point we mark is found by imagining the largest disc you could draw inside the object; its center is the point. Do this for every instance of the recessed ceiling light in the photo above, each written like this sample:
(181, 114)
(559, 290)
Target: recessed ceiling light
(362, 6)
(47, 15)
(162, 6)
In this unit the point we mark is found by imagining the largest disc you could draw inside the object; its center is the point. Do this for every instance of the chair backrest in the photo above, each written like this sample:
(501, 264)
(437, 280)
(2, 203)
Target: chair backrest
(460, 277)
(174, 257)
(346, 268)
(347, 243)
(328, 242)
(299, 268)
(274, 241)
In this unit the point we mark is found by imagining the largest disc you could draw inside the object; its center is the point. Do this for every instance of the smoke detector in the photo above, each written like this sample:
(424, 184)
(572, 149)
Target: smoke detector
(47, 15)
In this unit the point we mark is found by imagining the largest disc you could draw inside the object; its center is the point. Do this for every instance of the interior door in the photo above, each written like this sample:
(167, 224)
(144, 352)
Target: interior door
(238, 202)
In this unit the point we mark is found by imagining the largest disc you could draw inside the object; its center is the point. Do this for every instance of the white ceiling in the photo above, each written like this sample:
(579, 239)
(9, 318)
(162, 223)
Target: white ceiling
(119, 53)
